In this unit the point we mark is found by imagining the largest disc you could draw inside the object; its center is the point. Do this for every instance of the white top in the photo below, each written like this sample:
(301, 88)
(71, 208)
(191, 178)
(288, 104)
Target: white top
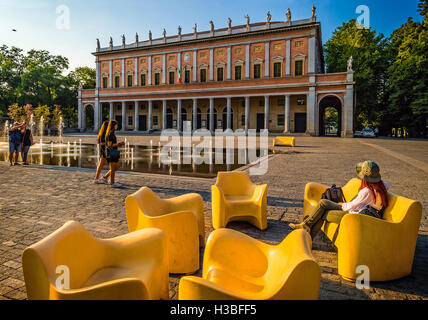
(363, 199)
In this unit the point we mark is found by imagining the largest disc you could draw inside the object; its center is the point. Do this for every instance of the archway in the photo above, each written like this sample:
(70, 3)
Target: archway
(105, 112)
(224, 119)
(89, 117)
(330, 116)
(183, 117)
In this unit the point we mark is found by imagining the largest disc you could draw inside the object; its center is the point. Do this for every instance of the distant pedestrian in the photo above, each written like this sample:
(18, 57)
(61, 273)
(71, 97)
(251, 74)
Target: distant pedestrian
(376, 131)
(112, 152)
(101, 141)
(27, 142)
(15, 139)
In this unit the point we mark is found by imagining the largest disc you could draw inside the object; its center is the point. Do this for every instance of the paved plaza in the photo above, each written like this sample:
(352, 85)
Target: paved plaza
(37, 200)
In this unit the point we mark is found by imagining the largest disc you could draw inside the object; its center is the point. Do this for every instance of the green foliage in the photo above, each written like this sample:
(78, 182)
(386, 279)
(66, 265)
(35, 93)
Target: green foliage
(38, 78)
(56, 115)
(42, 110)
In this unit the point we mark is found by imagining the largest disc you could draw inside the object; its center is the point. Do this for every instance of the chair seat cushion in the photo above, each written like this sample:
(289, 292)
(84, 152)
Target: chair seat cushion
(233, 282)
(115, 273)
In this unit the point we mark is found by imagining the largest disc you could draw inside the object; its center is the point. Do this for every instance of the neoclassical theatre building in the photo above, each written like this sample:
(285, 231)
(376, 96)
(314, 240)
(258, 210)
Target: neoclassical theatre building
(264, 75)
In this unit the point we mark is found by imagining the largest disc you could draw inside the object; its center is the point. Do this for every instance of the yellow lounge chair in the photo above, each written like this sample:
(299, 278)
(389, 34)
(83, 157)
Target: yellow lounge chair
(386, 246)
(284, 141)
(237, 266)
(235, 197)
(181, 218)
(132, 266)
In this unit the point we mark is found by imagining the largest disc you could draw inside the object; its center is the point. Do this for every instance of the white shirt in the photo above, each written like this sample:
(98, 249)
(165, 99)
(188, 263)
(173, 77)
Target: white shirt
(363, 199)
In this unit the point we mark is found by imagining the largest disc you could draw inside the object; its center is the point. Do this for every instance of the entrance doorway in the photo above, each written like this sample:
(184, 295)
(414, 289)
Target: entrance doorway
(330, 110)
(260, 121)
(300, 122)
(119, 122)
(142, 123)
(169, 118)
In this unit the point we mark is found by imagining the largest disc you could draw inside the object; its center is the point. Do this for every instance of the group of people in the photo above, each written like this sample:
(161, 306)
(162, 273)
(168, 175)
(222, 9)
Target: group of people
(20, 141)
(109, 153)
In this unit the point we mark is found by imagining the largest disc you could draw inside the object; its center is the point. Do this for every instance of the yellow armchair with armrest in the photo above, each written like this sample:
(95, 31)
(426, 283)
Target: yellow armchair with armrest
(386, 246)
(132, 266)
(284, 141)
(181, 218)
(237, 266)
(235, 197)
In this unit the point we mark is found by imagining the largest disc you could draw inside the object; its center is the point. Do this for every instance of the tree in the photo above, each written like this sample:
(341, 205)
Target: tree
(85, 75)
(370, 62)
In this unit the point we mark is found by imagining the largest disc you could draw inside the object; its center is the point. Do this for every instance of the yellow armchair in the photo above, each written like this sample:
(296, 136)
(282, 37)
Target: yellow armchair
(237, 266)
(132, 266)
(386, 246)
(235, 197)
(284, 141)
(181, 218)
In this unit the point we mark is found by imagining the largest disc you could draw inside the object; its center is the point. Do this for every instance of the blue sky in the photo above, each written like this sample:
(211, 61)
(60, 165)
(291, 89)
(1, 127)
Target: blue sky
(36, 20)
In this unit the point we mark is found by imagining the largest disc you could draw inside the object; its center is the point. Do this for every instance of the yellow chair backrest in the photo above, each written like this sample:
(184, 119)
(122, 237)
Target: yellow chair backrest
(350, 189)
(235, 183)
(71, 246)
(149, 202)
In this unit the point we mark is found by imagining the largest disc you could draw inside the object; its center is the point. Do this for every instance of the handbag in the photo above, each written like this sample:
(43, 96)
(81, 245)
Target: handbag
(334, 194)
(113, 154)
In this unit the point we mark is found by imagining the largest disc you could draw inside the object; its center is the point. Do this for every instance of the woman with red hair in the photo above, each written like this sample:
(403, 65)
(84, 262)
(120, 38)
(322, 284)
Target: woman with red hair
(371, 200)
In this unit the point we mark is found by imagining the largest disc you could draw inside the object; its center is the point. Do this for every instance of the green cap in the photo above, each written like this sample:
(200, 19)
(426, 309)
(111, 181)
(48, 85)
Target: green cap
(368, 171)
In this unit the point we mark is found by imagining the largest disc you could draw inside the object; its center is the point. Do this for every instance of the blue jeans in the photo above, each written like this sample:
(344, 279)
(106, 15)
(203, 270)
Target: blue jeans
(25, 153)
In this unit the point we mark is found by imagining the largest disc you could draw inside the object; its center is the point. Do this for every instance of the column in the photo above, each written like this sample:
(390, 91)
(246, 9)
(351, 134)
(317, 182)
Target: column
(98, 74)
(195, 114)
(136, 118)
(123, 72)
(267, 59)
(348, 110)
(163, 114)
(123, 116)
(164, 68)
(83, 118)
(211, 125)
(287, 114)
(266, 112)
(179, 126)
(110, 114)
(96, 115)
(247, 61)
(135, 71)
(229, 62)
(211, 64)
(150, 116)
(247, 113)
(229, 113)
(310, 110)
(149, 72)
(287, 57)
(195, 67)
(110, 74)
(311, 53)
(79, 112)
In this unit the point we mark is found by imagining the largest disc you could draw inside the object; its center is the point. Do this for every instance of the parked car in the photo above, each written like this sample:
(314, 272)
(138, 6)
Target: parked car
(365, 133)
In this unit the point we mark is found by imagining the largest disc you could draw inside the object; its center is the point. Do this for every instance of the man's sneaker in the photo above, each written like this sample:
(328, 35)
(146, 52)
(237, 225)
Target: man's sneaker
(115, 185)
(25, 163)
(17, 164)
(98, 181)
(11, 164)
(103, 180)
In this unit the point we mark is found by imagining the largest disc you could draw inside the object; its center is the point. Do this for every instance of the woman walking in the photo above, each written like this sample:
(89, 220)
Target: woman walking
(101, 141)
(112, 152)
(371, 200)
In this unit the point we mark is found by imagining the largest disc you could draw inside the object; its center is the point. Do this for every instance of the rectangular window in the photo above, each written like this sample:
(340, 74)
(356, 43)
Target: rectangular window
(187, 76)
(281, 101)
(105, 82)
(129, 81)
(155, 120)
(243, 120)
(277, 69)
(129, 121)
(257, 71)
(203, 75)
(281, 119)
(143, 79)
(298, 68)
(157, 78)
(116, 82)
(238, 72)
(219, 74)
(171, 77)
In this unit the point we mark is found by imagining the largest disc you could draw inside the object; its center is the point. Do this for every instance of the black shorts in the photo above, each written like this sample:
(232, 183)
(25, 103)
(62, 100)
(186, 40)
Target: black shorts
(103, 152)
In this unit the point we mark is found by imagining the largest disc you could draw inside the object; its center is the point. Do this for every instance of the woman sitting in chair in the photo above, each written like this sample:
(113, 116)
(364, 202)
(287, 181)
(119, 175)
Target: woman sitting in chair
(371, 200)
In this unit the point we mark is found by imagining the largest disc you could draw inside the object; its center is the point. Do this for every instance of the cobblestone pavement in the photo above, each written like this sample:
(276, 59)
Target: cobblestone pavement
(35, 201)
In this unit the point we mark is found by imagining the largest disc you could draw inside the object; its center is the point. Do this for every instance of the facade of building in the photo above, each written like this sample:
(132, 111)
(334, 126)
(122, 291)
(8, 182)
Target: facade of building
(253, 76)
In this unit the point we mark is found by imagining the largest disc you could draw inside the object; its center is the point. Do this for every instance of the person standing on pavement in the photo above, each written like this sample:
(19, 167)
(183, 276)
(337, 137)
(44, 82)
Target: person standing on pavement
(27, 142)
(15, 139)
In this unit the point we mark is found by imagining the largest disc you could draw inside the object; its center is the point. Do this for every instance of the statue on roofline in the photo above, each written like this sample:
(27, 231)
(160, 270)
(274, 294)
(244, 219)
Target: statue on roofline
(164, 33)
(212, 26)
(195, 28)
(313, 11)
(268, 17)
(150, 35)
(111, 42)
(350, 64)
(123, 40)
(248, 19)
(229, 23)
(179, 30)
(288, 15)
(98, 43)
